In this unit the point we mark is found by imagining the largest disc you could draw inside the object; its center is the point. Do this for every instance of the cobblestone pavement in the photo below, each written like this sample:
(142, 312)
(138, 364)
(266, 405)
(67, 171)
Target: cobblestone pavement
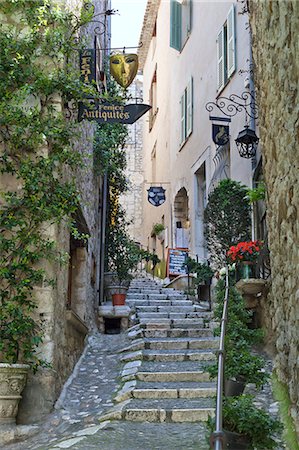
(89, 394)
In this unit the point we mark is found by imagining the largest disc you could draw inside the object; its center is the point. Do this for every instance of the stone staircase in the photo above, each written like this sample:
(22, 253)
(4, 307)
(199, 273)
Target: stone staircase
(163, 374)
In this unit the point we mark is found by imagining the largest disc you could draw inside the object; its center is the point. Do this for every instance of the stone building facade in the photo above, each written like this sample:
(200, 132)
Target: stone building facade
(275, 27)
(193, 53)
(68, 310)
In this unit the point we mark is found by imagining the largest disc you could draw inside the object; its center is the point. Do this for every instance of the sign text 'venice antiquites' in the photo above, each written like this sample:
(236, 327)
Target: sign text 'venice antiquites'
(104, 112)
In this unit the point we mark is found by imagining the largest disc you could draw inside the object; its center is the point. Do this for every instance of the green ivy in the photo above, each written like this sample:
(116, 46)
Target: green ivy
(36, 152)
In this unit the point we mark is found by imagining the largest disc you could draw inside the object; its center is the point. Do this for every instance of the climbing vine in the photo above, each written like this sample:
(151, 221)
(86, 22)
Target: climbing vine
(38, 77)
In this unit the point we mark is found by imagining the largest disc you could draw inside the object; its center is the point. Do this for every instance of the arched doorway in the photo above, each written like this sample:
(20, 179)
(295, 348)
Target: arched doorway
(181, 219)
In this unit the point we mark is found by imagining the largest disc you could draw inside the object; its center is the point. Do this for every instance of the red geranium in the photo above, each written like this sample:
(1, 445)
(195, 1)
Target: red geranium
(244, 251)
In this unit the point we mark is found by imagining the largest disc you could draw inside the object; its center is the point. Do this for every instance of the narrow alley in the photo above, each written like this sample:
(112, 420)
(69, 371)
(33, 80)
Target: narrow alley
(145, 388)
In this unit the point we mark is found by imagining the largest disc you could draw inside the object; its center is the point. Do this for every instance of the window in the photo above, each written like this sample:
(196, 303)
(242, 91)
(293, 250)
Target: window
(180, 22)
(226, 50)
(187, 112)
(153, 101)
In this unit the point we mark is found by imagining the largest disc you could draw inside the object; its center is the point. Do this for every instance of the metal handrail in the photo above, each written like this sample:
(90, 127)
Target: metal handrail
(217, 438)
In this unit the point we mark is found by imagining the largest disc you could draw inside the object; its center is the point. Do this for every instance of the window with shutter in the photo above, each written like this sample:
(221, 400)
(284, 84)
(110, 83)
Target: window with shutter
(220, 60)
(187, 112)
(175, 24)
(183, 118)
(189, 108)
(231, 37)
(226, 50)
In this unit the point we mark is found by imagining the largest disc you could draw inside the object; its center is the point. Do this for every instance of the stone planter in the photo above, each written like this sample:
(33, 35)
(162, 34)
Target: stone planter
(13, 379)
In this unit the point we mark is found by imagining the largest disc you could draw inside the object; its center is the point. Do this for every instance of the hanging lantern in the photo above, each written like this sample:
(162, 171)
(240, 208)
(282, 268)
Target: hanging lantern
(247, 142)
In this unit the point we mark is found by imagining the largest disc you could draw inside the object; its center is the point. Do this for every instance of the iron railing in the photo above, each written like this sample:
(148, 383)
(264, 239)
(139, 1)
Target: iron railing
(217, 438)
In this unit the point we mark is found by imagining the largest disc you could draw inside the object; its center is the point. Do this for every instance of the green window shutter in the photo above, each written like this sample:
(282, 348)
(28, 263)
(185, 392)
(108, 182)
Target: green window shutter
(231, 42)
(183, 117)
(189, 108)
(189, 18)
(175, 25)
(220, 60)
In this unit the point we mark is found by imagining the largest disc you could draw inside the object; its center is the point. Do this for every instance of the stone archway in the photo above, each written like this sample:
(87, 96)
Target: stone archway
(181, 219)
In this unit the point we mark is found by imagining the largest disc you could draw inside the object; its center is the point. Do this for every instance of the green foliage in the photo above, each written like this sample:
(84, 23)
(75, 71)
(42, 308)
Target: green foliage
(240, 363)
(203, 271)
(240, 415)
(37, 43)
(227, 219)
(281, 394)
(157, 229)
(257, 193)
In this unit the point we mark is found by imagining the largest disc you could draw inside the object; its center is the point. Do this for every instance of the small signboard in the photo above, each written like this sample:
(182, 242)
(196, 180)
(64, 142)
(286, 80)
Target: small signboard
(220, 134)
(87, 65)
(105, 112)
(156, 195)
(176, 259)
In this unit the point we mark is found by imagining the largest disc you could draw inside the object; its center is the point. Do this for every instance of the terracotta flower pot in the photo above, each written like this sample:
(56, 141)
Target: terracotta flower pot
(118, 299)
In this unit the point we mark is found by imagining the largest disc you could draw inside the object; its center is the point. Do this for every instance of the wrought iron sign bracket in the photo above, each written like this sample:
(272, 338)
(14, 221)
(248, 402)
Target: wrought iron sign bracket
(230, 106)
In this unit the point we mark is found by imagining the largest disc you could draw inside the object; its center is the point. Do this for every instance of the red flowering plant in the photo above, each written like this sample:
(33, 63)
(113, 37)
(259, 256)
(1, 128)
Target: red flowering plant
(244, 251)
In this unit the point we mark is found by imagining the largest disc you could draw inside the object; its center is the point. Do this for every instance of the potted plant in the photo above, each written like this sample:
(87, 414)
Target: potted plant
(247, 426)
(20, 335)
(157, 230)
(245, 255)
(203, 271)
(124, 256)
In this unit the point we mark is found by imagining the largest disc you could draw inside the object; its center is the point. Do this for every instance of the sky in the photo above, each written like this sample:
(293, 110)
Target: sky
(126, 27)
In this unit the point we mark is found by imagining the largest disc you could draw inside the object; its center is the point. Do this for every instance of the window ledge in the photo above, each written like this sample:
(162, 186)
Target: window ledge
(185, 142)
(153, 119)
(76, 322)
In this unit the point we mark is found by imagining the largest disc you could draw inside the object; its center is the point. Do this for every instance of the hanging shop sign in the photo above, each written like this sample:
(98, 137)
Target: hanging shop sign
(106, 112)
(176, 261)
(156, 195)
(123, 68)
(87, 65)
(220, 134)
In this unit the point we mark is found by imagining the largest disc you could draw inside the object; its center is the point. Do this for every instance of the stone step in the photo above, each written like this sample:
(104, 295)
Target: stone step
(169, 410)
(173, 376)
(168, 308)
(178, 332)
(146, 302)
(167, 291)
(170, 315)
(181, 343)
(178, 355)
(179, 392)
(175, 385)
(160, 323)
(153, 296)
(172, 366)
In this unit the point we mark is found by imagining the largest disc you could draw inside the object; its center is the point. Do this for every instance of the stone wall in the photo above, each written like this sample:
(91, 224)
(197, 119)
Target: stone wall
(275, 27)
(67, 313)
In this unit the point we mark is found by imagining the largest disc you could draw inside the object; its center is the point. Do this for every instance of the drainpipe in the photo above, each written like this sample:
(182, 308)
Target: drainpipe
(103, 238)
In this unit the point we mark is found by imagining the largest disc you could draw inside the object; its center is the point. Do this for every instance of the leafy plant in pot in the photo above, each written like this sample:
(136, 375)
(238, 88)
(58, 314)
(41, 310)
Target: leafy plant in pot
(241, 366)
(157, 230)
(246, 426)
(123, 261)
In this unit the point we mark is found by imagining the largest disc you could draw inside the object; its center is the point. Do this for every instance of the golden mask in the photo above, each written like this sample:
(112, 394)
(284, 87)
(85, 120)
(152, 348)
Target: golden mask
(123, 68)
